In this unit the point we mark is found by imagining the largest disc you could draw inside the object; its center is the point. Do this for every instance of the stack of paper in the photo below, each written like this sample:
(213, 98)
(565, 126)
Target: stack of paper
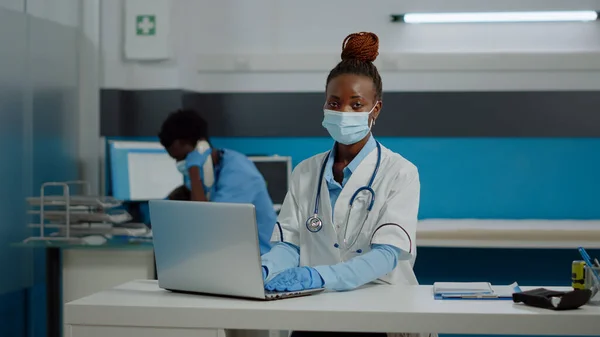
(462, 288)
(473, 290)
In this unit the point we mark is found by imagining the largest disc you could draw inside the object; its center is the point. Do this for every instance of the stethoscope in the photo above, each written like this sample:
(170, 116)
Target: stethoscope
(314, 223)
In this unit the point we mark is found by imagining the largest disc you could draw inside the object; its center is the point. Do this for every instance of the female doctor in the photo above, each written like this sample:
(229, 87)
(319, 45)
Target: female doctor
(350, 215)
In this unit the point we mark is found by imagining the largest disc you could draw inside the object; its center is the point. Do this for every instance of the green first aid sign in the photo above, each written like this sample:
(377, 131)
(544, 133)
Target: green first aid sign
(145, 25)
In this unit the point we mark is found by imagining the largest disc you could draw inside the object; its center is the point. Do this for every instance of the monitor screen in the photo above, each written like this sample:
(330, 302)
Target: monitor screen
(130, 178)
(276, 174)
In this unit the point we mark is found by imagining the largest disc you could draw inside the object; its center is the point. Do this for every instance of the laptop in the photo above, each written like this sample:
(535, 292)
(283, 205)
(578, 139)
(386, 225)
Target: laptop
(210, 248)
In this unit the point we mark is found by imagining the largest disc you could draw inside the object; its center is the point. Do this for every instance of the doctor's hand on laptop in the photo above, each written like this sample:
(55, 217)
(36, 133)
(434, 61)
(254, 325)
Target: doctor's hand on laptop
(294, 279)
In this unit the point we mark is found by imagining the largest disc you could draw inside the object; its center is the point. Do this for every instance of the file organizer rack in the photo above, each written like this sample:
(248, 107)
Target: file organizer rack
(66, 210)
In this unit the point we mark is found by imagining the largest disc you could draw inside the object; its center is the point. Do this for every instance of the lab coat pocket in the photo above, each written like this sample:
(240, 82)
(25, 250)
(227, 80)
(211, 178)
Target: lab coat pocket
(357, 218)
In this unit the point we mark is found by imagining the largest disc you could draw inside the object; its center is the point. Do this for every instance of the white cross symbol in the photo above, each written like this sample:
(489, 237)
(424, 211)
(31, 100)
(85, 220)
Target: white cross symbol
(146, 25)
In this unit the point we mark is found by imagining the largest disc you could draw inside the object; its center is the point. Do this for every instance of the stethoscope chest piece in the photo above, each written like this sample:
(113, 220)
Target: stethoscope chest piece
(314, 224)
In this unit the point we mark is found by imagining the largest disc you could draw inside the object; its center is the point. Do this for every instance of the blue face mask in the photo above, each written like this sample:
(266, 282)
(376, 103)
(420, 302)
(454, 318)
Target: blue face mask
(181, 168)
(186, 175)
(207, 174)
(347, 127)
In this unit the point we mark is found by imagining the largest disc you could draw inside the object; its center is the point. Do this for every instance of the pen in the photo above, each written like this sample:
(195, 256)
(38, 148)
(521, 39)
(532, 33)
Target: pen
(588, 261)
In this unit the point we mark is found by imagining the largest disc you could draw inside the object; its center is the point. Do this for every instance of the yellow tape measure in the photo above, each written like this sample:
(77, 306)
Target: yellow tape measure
(578, 275)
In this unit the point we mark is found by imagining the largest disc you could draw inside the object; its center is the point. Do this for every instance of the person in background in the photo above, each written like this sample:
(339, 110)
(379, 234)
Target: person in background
(215, 175)
(350, 215)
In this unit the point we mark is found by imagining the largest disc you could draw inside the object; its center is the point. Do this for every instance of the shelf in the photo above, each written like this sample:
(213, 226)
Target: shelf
(65, 245)
(483, 233)
(76, 200)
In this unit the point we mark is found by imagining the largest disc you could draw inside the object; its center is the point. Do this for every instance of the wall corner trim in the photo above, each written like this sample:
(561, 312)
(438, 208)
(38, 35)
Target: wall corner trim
(403, 62)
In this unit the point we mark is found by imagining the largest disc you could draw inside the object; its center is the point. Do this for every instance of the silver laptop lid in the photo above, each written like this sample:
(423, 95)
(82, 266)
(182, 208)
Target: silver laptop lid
(207, 247)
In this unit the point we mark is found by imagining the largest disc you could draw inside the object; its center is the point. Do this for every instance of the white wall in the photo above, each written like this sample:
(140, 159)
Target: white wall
(232, 37)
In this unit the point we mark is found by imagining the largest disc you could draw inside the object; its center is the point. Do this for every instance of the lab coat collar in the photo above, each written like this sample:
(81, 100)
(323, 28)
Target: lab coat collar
(351, 168)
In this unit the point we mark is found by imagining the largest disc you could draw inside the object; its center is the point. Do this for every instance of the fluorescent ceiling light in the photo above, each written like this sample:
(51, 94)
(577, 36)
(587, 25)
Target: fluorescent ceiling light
(500, 17)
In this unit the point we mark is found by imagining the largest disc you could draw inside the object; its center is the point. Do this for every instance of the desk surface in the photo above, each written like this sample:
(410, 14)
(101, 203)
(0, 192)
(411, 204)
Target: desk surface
(371, 309)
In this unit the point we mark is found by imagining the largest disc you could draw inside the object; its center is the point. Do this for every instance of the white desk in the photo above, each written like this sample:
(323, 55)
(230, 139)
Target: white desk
(140, 308)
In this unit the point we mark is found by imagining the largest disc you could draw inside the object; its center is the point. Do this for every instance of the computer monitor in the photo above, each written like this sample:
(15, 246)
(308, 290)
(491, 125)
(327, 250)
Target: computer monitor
(130, 176)
(277, 171)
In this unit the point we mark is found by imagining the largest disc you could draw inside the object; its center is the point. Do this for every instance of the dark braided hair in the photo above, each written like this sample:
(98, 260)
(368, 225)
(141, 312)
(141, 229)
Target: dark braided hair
(359, 50)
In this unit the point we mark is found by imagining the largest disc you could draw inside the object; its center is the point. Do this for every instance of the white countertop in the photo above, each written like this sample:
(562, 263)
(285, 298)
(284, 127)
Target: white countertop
(372, 309)
(500, 233)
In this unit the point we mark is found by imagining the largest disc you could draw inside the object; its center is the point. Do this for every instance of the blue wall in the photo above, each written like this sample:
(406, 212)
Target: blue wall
(506, 178)
(488, 178)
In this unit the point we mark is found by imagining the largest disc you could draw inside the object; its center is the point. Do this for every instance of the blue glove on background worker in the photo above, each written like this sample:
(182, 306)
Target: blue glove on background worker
(295, 279)
(194, 158)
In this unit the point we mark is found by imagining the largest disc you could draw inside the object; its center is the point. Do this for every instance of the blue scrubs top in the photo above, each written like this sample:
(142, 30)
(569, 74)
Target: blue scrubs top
(237, 180)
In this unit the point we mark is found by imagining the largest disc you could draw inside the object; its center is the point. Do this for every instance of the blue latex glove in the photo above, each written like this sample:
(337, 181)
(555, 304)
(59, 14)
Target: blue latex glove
(195, 158)
(264, 269)
(296, 279)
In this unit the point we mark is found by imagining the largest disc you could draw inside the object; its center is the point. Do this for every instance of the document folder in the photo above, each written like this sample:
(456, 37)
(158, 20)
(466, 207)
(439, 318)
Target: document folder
(452, 291)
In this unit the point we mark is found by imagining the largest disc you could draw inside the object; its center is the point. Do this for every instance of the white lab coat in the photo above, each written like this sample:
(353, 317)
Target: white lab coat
(392, 220)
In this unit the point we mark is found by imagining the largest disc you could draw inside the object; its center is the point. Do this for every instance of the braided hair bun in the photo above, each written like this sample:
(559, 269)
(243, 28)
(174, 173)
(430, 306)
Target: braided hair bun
(359, 50)
(363, 46)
